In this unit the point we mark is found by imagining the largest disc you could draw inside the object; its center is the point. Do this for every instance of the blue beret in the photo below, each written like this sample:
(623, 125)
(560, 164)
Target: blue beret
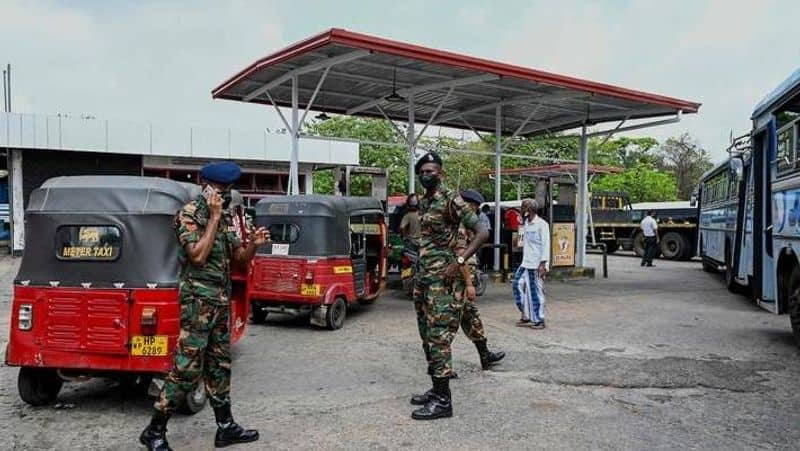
(470, 195)
(222, 172)
(430, 157)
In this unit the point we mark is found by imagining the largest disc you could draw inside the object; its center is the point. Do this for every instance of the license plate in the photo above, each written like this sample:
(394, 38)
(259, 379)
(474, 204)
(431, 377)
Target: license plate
(406, 273)
(149, 346)
(309, 290)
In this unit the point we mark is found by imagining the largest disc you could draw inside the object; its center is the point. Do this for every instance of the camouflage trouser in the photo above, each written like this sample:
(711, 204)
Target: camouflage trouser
(438, 319)
(471, 322)
(203, 352)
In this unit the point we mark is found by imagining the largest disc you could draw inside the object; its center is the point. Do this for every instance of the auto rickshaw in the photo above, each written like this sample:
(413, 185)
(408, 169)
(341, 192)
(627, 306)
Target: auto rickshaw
(326, 253)
(97, 294)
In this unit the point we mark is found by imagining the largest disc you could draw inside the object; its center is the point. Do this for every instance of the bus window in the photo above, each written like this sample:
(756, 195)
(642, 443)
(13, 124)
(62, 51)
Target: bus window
(786, 154)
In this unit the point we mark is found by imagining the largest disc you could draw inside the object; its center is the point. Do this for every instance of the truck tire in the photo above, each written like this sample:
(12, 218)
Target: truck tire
(38, 386)
(688, 250)
(792, 284)
(638, 244)
(611, 246)
(673, 246)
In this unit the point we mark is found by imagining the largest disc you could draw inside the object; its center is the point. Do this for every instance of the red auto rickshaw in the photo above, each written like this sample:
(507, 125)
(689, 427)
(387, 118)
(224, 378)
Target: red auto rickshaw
(96, 294)
(326, 253)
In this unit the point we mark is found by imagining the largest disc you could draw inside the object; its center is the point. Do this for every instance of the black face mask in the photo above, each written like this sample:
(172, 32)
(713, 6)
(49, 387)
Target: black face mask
(429, 181)
(226, 199)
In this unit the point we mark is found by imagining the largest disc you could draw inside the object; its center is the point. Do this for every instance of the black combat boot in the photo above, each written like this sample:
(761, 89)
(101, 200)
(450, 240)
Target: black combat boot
(154, 436)
(488, 358)
(438, 405)
(228, 432)
(421, 400)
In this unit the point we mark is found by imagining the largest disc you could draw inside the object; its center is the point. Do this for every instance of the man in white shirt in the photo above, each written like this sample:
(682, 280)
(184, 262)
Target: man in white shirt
(649, 228)
(534, 238)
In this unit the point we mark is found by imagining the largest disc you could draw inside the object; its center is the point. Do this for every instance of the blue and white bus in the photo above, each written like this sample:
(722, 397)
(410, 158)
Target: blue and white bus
(717, 195)
(767, 241)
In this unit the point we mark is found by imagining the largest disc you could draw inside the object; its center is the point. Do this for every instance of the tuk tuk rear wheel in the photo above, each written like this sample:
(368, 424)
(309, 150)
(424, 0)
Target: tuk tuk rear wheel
(195, 400)
(334, 317)
(38, 386)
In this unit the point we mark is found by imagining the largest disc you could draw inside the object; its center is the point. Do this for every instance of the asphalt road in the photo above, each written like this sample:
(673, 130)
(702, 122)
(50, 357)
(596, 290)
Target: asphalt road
(663, 358)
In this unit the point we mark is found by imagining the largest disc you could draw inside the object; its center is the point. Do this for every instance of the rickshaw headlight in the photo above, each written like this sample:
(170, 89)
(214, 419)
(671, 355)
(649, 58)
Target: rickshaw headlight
(309, 276)
(25, 317)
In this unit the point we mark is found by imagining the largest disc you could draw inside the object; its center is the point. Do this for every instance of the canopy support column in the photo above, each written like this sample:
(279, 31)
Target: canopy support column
(412, 143)
(583, 194)
(498, 150)
(294, 179)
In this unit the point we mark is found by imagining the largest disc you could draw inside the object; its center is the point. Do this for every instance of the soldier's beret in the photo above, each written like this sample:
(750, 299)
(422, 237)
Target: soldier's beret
(222, 172)
(430, 157)
(470, 195)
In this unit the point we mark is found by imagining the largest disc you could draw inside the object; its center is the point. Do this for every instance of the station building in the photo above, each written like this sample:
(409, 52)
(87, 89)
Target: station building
(38, 147)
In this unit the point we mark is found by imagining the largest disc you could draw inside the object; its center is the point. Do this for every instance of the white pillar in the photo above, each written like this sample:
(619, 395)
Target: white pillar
(583, 194)
(309, 181)
(294, 182)
(498, 148)
(411, 137)
(17, 214)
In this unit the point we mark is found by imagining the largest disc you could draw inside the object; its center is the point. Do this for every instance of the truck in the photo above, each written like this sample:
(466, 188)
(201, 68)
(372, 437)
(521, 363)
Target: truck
(614, 221)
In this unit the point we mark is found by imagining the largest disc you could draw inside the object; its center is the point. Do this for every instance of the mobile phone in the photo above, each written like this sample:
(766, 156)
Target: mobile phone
(209, 191)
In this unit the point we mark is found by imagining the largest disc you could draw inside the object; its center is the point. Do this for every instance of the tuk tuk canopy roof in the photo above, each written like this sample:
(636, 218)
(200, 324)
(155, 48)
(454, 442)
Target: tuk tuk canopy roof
(318, 205)
(111, 194)
(371, 76)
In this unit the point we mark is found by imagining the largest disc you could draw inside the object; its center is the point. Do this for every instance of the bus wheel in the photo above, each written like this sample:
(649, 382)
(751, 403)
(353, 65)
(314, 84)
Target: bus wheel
(194, 401)
(673, 246)
(334, 318)
(38, 386)
(793, 301)
(257, 313)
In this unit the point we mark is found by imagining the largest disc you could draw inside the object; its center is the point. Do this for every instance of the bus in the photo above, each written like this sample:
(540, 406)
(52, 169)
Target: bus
(717, 197)
(765, 164)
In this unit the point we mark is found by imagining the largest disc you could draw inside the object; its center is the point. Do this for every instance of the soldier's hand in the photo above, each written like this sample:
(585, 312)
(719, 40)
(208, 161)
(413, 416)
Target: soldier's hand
(451, 271)
(215, 205)
(471, 293)
(260, 236)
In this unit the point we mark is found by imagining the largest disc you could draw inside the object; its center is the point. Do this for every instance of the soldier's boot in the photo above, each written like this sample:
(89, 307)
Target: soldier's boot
(154, 436)
(228, 432)
(439, 404)
(421, 400)
(488, 358)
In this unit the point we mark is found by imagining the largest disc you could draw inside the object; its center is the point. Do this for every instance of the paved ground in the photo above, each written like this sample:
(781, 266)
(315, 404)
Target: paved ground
(658, 359)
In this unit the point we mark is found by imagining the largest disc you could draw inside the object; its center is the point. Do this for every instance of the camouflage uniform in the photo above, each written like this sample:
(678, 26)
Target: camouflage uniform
(438, 312)
(471, 322)
(203, 349)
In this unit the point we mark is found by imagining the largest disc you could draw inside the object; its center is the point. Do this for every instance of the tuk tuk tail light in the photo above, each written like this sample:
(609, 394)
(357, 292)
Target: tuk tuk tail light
(25, 317)
(309, 276)
(149, 321)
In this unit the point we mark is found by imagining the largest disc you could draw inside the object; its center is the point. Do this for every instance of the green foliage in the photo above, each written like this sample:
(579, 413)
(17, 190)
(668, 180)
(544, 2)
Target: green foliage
(392, 158)
(643, 183)
(653, 172)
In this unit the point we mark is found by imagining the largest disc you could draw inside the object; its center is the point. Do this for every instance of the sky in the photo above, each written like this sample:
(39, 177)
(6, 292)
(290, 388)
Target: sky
(158, 61)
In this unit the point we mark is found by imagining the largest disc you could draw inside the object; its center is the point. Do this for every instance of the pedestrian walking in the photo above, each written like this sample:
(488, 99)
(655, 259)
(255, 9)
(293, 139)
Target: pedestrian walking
(438, 312)
(528, 284)
(649, 228)
(209, 247)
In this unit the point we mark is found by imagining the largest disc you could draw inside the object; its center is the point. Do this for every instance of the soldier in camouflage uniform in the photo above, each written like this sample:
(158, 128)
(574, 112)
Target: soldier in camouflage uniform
(438, 311)
(471, 322)
(208, 248)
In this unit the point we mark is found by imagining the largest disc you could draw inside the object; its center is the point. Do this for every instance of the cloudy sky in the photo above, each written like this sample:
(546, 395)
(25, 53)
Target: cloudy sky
(159, 60)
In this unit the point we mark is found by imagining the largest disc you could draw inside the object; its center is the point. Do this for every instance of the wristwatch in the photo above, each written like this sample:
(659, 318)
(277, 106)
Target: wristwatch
(460, 260)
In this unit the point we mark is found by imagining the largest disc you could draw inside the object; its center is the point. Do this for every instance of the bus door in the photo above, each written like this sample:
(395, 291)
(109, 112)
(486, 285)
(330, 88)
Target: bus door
(764, 151)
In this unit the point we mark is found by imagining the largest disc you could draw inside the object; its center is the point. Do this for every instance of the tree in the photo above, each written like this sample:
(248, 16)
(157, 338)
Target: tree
(686, 160)
(643, 183)
(391, 157)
